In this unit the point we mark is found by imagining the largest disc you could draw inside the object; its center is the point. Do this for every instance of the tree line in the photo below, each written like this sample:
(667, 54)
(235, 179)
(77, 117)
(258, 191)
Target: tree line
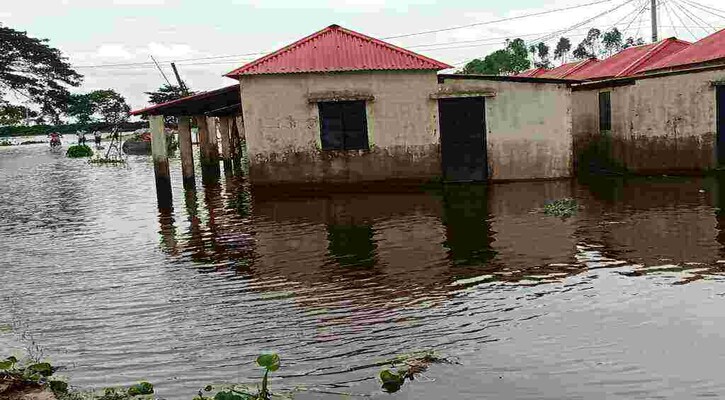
(39, 73)
(517, 56)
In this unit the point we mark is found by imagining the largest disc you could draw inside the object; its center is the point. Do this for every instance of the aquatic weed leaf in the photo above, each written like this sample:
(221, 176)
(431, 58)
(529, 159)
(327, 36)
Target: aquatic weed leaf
(228, 395)
(58, 386)
(391, 387)
(141, 388)
(388, 376)
(269, 361)
(44, 369)
(208, 388)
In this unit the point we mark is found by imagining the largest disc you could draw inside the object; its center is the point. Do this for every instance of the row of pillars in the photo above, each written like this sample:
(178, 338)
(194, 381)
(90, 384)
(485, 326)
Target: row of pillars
(212, 131)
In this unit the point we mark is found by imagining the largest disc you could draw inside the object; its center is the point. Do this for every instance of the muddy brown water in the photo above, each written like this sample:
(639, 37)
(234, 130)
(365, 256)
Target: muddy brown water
(623, 300)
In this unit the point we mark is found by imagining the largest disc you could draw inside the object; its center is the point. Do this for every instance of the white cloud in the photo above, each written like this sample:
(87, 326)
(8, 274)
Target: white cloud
(168, 50)
(114, 51)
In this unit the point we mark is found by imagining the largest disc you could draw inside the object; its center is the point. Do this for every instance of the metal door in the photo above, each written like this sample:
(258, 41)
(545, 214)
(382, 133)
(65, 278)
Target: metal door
(463, 139)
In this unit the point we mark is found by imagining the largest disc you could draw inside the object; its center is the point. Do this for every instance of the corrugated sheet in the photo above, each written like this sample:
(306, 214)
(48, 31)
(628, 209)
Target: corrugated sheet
(627, 62)
(337, 49)
(572, 70)
(709, 48)
(532, 73)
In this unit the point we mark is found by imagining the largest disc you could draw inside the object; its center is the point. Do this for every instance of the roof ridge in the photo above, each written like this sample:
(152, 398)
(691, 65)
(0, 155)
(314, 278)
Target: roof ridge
(578, 66)
(331, 28)
(644, 57)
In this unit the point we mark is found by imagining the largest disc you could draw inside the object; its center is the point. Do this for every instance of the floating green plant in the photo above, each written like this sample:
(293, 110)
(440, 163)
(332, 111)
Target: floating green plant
(78, 151)
(407, 367)
(561, 208)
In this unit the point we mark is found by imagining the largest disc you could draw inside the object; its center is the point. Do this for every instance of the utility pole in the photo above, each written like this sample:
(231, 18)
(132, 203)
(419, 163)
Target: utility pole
(162, 71)
(654, 21)
(182, 86)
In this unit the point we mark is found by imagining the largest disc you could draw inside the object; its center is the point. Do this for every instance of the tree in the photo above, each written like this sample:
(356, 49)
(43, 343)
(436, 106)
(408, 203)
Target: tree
(110, 106)
(612, 41)
(511, 60)
(15, 115)
(167, 93)
(562, 49)
(542, 51)
(589, 47)
(632, 42)
(30, 67)
(98, 106)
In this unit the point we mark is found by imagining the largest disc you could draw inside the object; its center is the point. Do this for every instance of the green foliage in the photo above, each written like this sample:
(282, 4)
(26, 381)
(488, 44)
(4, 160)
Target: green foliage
(78, 151)
(406, 367)
(106, 106)
(67, 129)
(13, 114)
(612, 41)
(510, 60)
(141, 388)
(270, 362)
(563, 46)
(168, 93)
(561, 208)
(38, 71)
(107, 161)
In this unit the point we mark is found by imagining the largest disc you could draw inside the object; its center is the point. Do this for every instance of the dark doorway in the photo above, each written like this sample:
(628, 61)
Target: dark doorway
(720, 90)
(463, 139)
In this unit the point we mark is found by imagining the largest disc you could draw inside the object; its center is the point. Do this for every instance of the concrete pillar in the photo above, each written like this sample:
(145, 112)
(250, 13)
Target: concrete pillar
(187, 153)
(159, 152)
(213, 138)
(226, 143)
(209, 156)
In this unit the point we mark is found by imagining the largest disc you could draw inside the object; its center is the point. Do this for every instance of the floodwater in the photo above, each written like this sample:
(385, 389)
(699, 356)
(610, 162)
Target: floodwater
(623, 300)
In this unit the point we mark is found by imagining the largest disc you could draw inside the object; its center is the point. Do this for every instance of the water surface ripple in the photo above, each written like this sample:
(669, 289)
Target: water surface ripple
(622, 300)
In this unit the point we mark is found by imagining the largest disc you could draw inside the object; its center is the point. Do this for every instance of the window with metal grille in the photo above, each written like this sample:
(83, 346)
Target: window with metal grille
(343, 125)
(605, 112)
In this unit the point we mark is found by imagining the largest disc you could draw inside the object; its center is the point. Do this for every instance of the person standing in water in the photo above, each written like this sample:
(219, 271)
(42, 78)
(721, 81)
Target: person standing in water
(81, 137)
(97, 137)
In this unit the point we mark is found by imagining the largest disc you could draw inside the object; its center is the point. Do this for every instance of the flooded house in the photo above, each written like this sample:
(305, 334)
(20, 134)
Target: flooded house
(657, 108)
(339, 106)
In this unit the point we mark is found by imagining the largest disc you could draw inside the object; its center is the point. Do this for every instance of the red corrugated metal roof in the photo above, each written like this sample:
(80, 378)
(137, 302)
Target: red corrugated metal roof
(187, 99)
(568, 70)
(631, 60)
(337, 49)
(532, 73)
(709, 48)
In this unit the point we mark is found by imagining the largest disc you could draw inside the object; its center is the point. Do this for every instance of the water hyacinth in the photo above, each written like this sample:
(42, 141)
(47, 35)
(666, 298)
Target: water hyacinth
(561, 208)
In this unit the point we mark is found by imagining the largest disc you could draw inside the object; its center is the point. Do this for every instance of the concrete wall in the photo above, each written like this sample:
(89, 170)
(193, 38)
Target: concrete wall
(283, 130)
(528, 127)
(659, 124)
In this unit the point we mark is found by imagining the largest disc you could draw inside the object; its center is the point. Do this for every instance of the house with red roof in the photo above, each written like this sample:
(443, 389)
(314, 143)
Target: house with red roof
(339, 106)
(656, 108)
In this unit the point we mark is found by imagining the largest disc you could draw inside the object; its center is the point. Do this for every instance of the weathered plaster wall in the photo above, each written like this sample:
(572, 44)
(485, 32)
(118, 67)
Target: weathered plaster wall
(283, 133)
(528, 127)
(662, 124)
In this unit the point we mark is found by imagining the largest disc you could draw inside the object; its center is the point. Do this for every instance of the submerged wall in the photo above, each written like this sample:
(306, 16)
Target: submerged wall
(528, 127)
(282, 127)
(659, 124)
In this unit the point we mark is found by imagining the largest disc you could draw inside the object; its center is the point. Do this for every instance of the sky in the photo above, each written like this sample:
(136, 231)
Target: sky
(208, 38)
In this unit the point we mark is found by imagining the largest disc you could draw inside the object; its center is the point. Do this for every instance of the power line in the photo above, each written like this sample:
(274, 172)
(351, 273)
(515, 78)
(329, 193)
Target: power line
(497, 20)
(669, 17)
(582, 23)
(682, 22)
(692, 17)
(701, 8)
(639, 24)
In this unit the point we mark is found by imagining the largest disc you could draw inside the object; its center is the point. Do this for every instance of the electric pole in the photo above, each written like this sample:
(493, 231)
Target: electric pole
(654, 21)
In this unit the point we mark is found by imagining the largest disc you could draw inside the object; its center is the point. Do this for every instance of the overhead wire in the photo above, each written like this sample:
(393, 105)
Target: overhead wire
(582, 23)
(497, 20)
(699, 7)
(669, 17)
(637, 15)
(692, 17)
(683, 22)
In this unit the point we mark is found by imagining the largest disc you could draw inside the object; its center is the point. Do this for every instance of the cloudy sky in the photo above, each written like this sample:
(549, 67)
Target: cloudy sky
(111, 41)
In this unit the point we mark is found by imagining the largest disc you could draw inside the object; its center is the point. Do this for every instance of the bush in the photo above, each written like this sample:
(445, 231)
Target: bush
(78, 151)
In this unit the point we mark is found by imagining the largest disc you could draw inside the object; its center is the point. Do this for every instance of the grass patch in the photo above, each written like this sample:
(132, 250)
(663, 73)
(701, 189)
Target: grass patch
(79, 151)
